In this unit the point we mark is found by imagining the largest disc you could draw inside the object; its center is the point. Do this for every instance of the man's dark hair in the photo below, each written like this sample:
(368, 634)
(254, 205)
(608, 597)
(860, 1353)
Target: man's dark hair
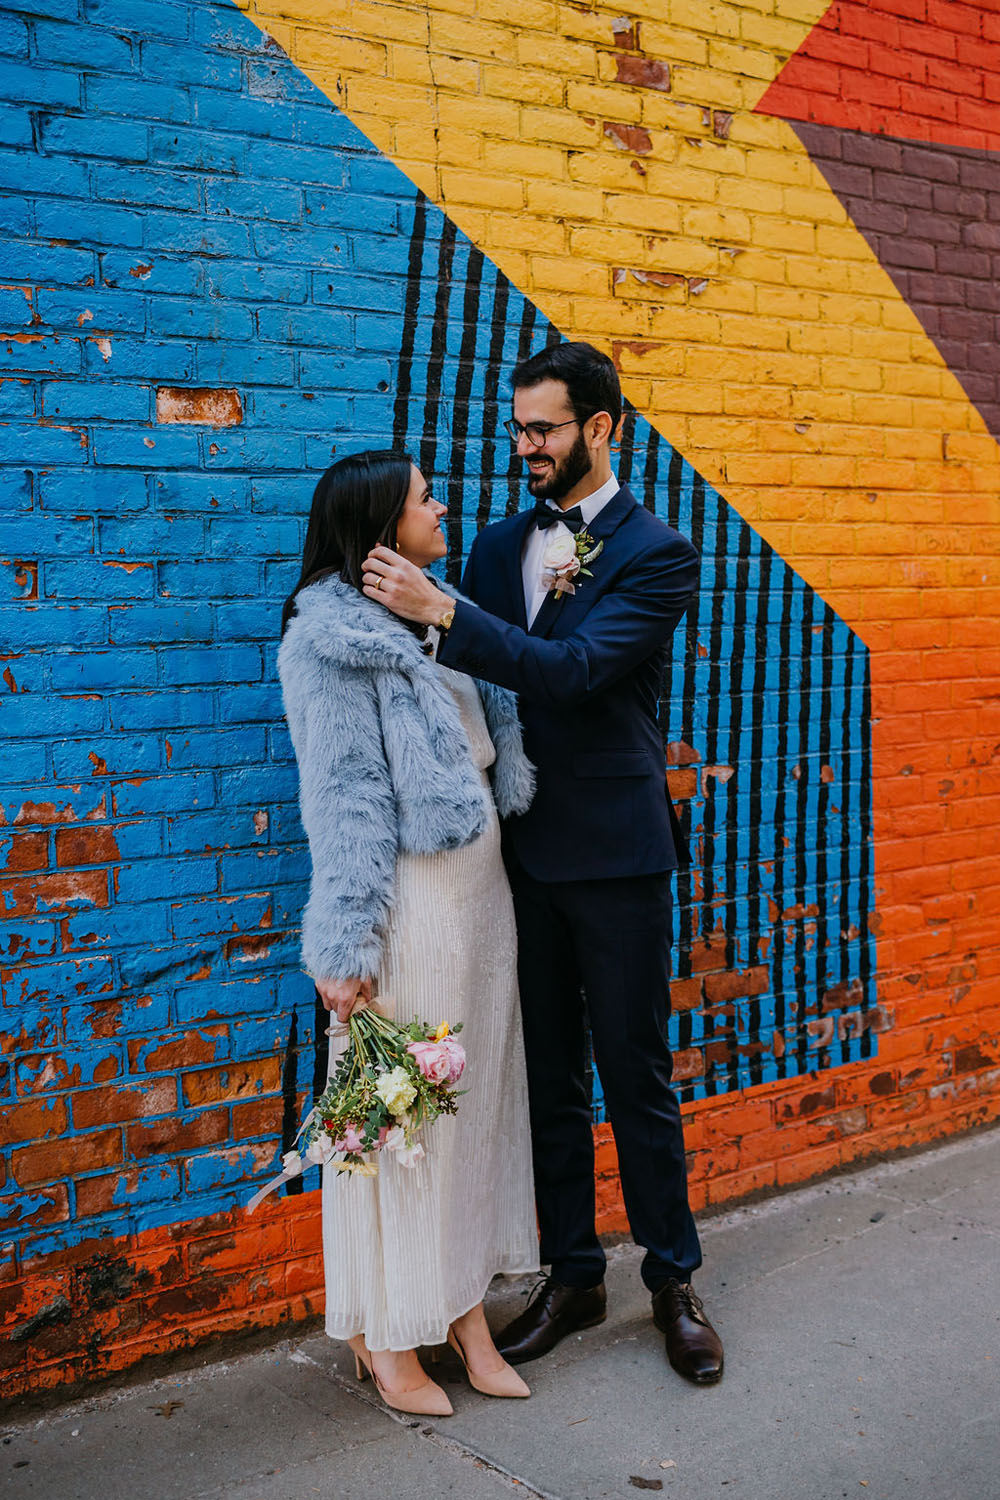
(589, 376)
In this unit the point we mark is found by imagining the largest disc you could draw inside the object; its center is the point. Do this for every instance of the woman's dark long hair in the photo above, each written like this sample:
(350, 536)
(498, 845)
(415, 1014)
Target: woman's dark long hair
(356, 505)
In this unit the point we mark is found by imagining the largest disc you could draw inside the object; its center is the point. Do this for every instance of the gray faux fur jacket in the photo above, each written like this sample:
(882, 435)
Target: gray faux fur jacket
(384, 766)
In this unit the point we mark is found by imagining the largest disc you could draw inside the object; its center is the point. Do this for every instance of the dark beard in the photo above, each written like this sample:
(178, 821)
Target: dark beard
(562, 476)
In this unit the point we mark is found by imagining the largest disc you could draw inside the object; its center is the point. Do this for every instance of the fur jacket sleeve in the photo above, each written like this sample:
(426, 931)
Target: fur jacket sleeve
(384, 766)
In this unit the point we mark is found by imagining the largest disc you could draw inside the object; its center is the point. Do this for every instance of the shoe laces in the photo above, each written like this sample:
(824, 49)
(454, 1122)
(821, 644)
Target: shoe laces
(534, 1292)
(685, 1298)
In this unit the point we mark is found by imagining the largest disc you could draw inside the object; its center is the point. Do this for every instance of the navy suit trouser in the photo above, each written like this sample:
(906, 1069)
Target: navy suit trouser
(610, 939)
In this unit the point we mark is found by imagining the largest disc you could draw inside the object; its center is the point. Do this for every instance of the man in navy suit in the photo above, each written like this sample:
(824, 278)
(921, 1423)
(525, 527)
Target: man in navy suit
(577, 601)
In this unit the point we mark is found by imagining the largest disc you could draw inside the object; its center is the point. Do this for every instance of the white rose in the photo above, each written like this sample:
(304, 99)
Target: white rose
(291, 1163)
(410, 1155)
(319, 1148)
(396, 1090)
(395, 1139)
(560, 550)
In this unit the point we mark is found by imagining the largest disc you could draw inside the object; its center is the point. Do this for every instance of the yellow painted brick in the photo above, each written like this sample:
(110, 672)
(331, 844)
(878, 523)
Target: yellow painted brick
(558, 54)
(378, 131)
(324, 49)
(851, 310)
(557, 307)
(822, 406)
(386, 99)
(727, 296)
(718, 364)
(641, 211)
(473, 38)
(670, 180)
(707, 154)
(602, 169)
(455, 73)
(895, 411)
(898, 314)
(372, 18)
(457, 147)
(335, 13)
(818, 272)
(488, 116)
(514, 233)
(685, 257)
(881, 343)
(712, 223)
(582, 26)
(682, 395)
(759, 265)
(706, 86)
(569, 274)
(673, 44)
(473, 222)
(478, 188)
(783, 369)
(782, 234)
(787, 167)
(556, 125)
(609, 104)
(788, 302)
(616, 246)
(564, 199)
(756, 401)
(912, 380)
(843, 244)
(772, 33)
(702, 15)
(629, 320)
(851, 374)
(684, 322)
(544, 162)
(819, 205)
(410, 64)
(742, 57)
(413, 144)
(636, 357)
(821, 338)
(528, 85)
(753, 333)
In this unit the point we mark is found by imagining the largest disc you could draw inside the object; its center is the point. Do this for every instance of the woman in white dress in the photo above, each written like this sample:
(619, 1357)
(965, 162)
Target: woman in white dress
(402, 765)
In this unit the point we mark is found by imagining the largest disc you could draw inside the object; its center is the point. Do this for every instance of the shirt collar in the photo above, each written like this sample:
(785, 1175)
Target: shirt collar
(595, 502)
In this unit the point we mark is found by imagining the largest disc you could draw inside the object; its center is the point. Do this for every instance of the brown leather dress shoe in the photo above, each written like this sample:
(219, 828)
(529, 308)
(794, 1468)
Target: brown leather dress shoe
(693, 1346)
(552, 1312)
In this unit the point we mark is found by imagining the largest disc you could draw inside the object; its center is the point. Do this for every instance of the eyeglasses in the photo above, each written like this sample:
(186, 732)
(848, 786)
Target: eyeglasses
(535, 432)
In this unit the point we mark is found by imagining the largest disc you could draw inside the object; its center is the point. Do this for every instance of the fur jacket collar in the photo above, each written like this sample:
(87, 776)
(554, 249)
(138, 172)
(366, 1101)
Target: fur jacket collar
(384, 765)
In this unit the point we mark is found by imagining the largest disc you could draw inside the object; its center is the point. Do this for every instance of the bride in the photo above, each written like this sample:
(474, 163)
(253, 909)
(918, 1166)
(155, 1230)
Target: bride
(402, 767)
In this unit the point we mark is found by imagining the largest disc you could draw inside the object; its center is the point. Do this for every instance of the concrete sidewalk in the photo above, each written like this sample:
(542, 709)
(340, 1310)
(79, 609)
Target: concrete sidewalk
(862, 1327)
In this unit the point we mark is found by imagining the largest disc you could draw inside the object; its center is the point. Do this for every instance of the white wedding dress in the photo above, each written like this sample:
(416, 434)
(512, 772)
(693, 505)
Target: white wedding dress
(408, 1251)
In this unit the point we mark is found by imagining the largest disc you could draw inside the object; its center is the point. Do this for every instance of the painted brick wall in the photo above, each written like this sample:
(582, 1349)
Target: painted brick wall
(235, 245)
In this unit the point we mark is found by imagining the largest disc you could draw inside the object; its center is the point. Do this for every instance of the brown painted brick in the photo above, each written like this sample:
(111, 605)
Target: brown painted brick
(28, 851)
(232, 1081)
(95, 845)
(67, 1158)
(174, 1137)
(32, 1122)
(101, 1106)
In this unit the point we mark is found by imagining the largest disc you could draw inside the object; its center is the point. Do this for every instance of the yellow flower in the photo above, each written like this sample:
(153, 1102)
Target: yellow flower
(441, 1033)
(396, 1090)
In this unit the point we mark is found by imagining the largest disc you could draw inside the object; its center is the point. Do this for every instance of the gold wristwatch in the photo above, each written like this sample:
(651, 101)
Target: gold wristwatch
(446, 619)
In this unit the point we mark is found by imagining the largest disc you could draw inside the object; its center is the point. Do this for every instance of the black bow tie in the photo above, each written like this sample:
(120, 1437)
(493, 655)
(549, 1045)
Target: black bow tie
(545, 517)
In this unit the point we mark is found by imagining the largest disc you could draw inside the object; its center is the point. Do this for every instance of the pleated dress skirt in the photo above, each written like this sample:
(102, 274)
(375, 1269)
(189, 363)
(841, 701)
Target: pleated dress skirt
(411, 1249)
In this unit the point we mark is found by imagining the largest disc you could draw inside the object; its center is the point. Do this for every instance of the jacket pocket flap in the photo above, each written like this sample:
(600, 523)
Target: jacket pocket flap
(614, 763)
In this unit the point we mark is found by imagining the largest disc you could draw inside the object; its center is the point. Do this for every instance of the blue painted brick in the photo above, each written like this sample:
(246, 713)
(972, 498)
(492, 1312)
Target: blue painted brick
(187, 147)
(194, 235)
(321, 247)
(186, 64)
(276, 78)
(16, 487)
(316, 124)
(281, 577)
(152, 536)
(279, 744)
(294, 410)
(29, 939)
(262, 869)
(250, 449)
(224, 364)
(351, 212)
(46, 174)
(39, 86)
(147, 448)
(213, 110)
(57, 263)
(215, 26)
(90, 490)
(335, 372)
(140, 840)
(87, 310)
(121, 140)
(201, 833)
(31, 714)
(208, 578)
(282, 496)
(137, 99)
(241, 622)
(221, 747)
(17, 399)
(250, 702)
(252, 200)
(219, 1168)
(103, 669)
(199, 919)
(142, 185)
(13, 36)
(66, 980)
(286, 825)
(161, 622)
(225, 664)
(163, 966)
(97, 578)
(121, 755)
(164, 794)
(38, 534)
(204, 320)
(152, 272)
(42, 352)
(74, 401)
(256, 283)
(194, 1002)
(25, 762)
(162, 710)
(213, 493)
(260, 1036)
(367, 293)
(292, 163)
(158, 359)
(321, 326)
(147, 17)
(158, 879)
(42, 445)
(95, 49)
(16, 310)
(321, 451)
(90, 222)
(15, 127)
(259, 786)
(378, 176)
(380, 254)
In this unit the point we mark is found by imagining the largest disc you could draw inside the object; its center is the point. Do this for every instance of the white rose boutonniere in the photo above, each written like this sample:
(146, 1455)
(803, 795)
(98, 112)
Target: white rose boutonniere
(565, 557)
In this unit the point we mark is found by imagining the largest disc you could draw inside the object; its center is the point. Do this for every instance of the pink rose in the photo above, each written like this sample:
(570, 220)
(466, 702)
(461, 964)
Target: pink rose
(432, 1059)
(456, 1053)
(351, 1141)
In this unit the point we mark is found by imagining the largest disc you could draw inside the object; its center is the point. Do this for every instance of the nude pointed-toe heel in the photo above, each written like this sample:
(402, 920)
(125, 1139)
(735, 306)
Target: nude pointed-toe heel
(505, 1382)
(427, 1400)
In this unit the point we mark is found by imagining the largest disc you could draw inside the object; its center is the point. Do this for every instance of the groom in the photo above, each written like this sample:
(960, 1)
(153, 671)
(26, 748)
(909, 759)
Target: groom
(578, 599)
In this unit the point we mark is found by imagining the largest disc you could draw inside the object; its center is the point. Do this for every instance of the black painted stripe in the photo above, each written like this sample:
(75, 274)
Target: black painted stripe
(781, 775)
(806, 770)
(289, 1101)
(404, 365)
(439, 339)
(755, 895)
(460, 412)
(515, 467)
(491, 430)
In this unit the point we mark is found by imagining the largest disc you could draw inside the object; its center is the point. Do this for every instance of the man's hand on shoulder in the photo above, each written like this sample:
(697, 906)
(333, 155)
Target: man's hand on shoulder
(403, 588)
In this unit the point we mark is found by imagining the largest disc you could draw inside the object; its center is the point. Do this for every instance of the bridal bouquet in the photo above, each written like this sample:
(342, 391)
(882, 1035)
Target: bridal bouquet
(391, 1081)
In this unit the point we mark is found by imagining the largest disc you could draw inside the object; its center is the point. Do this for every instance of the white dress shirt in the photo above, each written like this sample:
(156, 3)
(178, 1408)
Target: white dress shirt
(535, 591)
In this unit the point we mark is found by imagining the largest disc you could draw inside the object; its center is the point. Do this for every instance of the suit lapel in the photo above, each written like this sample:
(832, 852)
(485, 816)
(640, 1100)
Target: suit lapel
(601, 528)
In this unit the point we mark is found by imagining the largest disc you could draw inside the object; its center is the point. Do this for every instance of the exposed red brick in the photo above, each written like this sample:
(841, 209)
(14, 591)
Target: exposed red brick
(50, 1206)
(31, 896)
(257, 1117)
(688, 1064)
(625, 33)
(159, 1137)
(679, 754)
(685, 994)
(44, 812)
(682, 784)
(735, 983)
(99, 1195)
(101, 1106)
(32, 1121)
(86, 846)
(644, 73)
(65, 1158)
(28, 851)
(178, 1051)
(252, 946)
(203, 407)
(629, 137)
(232, 1081)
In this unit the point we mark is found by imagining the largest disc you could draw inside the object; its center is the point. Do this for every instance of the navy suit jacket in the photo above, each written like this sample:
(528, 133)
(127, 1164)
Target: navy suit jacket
(588, 676)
